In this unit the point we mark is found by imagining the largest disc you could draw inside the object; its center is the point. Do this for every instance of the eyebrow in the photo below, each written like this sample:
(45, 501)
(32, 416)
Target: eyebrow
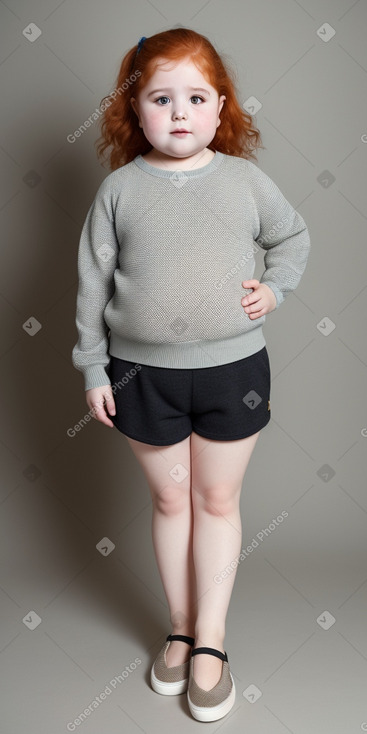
(167, 89)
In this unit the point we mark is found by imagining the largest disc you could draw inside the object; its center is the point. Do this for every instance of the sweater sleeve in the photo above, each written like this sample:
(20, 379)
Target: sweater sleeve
(97, 261)
(282, 233)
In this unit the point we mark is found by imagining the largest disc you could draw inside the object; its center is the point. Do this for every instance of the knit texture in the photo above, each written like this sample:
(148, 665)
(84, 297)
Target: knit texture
(216, 695)
(173, 674)
(161, 261)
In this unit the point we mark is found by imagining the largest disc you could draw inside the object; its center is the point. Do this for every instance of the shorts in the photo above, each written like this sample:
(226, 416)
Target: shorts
(162, 406)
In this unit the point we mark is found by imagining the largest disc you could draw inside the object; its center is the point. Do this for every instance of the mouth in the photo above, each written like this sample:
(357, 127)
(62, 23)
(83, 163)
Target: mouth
(180, 131)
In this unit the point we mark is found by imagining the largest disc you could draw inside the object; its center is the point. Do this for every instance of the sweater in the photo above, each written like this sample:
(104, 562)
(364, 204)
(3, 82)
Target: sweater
(162, 257)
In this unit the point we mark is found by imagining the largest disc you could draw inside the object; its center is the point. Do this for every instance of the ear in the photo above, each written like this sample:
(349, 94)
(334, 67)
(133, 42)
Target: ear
(221, 103)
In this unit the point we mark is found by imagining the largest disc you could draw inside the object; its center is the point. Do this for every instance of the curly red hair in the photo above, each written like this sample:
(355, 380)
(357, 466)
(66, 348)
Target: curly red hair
(236, 135)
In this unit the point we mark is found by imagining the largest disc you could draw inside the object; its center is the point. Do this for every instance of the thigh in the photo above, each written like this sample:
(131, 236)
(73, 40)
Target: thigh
(165, 467)
(218, 467)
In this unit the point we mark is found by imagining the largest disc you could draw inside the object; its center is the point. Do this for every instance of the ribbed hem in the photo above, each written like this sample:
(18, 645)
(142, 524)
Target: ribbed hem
(95, 376)
(276, 290)
(189, 355)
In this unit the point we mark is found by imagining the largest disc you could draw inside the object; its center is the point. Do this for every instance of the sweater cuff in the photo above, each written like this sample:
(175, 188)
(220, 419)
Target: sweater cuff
(277, 292)
(95, 376)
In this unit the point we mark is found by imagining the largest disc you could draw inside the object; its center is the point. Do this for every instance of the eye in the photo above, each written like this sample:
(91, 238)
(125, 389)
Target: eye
(157, 100)
(195, 96)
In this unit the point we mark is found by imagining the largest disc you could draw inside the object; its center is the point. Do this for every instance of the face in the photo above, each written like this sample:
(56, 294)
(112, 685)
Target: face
(178, 97)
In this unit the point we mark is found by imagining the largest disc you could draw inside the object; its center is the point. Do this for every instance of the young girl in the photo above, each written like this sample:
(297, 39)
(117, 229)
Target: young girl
(170, 327)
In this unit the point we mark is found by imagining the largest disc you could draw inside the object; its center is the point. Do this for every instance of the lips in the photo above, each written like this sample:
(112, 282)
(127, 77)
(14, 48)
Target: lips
(181, 130)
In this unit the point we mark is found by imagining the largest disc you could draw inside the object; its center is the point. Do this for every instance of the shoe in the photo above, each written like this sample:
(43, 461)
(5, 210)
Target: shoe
(170, 681)
(218, 701)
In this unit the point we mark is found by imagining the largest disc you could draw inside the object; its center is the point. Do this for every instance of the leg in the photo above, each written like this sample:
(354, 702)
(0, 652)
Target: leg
(218, 468)
(172, 535)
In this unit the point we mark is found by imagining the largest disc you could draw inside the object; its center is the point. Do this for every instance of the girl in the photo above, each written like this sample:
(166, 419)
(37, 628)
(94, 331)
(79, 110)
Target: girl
(170, 327)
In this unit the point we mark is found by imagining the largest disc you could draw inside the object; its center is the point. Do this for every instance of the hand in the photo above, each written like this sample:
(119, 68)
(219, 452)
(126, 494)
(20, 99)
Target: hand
(261, 301)
(98, 399)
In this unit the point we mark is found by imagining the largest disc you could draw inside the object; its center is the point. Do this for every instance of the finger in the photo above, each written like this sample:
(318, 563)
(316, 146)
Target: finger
(255, 307)
(101, 415)
(252, 298)
(110, 404)
(99, 409)
(105, 398)
(250, 283)
(257, 314)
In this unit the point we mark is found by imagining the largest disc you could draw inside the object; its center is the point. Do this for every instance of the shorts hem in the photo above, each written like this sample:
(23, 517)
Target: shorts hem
(211, 437)
(151, 443)
(230, 438)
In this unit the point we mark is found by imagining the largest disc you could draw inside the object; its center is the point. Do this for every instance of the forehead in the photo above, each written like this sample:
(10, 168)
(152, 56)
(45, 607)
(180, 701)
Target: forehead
(184, 70)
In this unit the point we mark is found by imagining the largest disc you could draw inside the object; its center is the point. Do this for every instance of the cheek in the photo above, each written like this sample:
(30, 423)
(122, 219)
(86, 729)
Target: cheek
(207, 119)
(153, 121)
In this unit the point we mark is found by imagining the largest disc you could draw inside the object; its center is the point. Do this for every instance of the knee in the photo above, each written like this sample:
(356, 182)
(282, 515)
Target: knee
(171, 500)
(216, 500)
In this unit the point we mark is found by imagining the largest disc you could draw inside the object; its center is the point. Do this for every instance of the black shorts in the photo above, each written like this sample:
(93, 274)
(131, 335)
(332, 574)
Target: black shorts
(162, 406)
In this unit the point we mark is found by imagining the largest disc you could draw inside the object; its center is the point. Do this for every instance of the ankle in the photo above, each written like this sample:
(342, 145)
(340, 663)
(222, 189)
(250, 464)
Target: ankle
(187, 631)
(207, 637)
(182, 625)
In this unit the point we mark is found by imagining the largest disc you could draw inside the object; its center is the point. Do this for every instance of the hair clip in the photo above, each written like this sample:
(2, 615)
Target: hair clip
(143, 38)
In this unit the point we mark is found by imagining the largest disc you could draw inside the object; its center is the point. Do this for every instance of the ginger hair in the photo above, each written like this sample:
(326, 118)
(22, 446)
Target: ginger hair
(236, 135)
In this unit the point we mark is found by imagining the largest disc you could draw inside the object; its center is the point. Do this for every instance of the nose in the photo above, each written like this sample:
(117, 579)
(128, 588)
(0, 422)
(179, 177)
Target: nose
(179, 114)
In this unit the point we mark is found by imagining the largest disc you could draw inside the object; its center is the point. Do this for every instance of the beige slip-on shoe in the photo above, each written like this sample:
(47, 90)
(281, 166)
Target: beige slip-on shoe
(170, 681)
(218, 701)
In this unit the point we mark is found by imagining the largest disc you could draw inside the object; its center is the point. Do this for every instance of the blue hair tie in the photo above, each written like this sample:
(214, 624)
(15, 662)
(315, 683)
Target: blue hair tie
(143, 38)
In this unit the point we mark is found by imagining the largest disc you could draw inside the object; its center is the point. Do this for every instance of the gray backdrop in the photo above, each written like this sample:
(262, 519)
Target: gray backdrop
(83, 612)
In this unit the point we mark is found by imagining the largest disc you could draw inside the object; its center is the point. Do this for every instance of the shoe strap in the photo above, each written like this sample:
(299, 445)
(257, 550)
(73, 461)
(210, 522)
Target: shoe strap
(181, 638)
(210, 651)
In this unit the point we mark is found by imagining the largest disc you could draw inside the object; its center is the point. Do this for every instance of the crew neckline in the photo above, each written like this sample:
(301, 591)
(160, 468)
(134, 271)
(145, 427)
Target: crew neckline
(190, 173)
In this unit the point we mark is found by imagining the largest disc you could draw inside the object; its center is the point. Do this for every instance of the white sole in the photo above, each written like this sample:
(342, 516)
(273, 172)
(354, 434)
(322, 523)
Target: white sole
(168, 689)
(212, 713)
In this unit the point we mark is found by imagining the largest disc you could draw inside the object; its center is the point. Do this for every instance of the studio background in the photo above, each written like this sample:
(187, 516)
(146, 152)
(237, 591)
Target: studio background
(73, 615)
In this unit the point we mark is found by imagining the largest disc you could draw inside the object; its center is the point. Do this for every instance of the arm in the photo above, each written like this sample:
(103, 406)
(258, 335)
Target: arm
(97, 261)
(282, 233)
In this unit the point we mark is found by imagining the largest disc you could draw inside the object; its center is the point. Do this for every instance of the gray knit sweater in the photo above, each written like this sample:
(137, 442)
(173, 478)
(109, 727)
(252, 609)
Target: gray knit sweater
(161, 261)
